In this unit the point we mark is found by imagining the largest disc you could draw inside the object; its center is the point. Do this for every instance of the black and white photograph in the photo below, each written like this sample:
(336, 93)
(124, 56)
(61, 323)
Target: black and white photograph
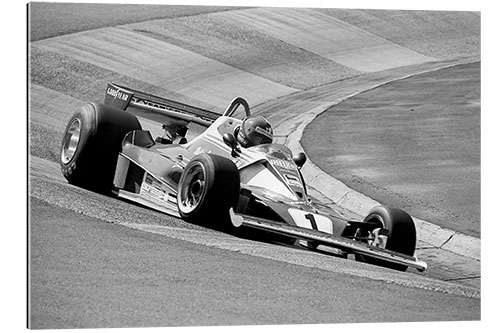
(253, 165)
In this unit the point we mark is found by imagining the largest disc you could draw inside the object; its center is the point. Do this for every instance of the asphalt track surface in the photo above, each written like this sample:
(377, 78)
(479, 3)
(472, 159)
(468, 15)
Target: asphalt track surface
(407, 149)
(95, 285)
(147, 269)
(130, 278)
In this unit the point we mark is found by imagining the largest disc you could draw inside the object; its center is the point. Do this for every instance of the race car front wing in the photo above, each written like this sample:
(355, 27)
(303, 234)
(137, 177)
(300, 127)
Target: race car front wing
(345, 244)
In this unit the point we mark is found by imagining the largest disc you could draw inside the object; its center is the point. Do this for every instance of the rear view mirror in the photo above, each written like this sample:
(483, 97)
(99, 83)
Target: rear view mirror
(300, 159)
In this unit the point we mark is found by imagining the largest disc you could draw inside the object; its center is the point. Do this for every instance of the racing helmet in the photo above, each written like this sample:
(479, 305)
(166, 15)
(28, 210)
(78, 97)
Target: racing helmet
(255, 130)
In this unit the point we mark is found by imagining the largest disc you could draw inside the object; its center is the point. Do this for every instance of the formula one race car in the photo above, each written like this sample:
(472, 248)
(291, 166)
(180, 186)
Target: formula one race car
(226, 172)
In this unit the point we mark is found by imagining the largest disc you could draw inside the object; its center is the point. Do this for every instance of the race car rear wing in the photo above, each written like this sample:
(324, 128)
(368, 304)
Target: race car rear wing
(345, 244)
(155, 108)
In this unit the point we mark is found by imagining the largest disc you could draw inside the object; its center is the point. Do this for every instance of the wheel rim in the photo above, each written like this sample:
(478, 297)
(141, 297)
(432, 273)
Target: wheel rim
(70, 141)
(193, 188)
(377, 238)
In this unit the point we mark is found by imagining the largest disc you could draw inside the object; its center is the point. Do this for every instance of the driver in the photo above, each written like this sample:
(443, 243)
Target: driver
(255, 130)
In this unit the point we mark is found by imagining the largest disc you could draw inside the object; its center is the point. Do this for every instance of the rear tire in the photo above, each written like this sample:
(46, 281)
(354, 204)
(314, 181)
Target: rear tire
(91, 143)
(402, 236)
(208, 187)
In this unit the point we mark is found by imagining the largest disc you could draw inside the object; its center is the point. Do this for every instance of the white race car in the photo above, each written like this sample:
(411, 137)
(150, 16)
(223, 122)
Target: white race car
(230, 175)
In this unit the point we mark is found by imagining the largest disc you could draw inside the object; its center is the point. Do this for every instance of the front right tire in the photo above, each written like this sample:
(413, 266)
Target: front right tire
(401, 237)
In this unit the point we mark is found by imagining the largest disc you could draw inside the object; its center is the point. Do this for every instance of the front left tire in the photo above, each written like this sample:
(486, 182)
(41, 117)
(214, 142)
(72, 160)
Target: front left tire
(208, 187)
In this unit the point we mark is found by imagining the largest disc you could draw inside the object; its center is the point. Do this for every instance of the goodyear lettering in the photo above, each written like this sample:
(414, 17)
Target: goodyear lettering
(117, 94)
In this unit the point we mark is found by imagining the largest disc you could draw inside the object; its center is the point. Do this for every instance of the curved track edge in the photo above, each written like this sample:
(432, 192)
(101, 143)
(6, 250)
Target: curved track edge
(331, 190)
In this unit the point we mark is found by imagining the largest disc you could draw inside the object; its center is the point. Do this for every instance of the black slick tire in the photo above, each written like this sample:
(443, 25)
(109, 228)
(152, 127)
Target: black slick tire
(208, 187)
(91, 143)
(401, 237)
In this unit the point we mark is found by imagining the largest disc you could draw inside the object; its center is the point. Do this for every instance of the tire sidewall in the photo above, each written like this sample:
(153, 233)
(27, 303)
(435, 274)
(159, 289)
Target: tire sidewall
(220, 192)
(102, 129)
(401, 229)
(87, 118)
(401, 236)
(207, 167)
